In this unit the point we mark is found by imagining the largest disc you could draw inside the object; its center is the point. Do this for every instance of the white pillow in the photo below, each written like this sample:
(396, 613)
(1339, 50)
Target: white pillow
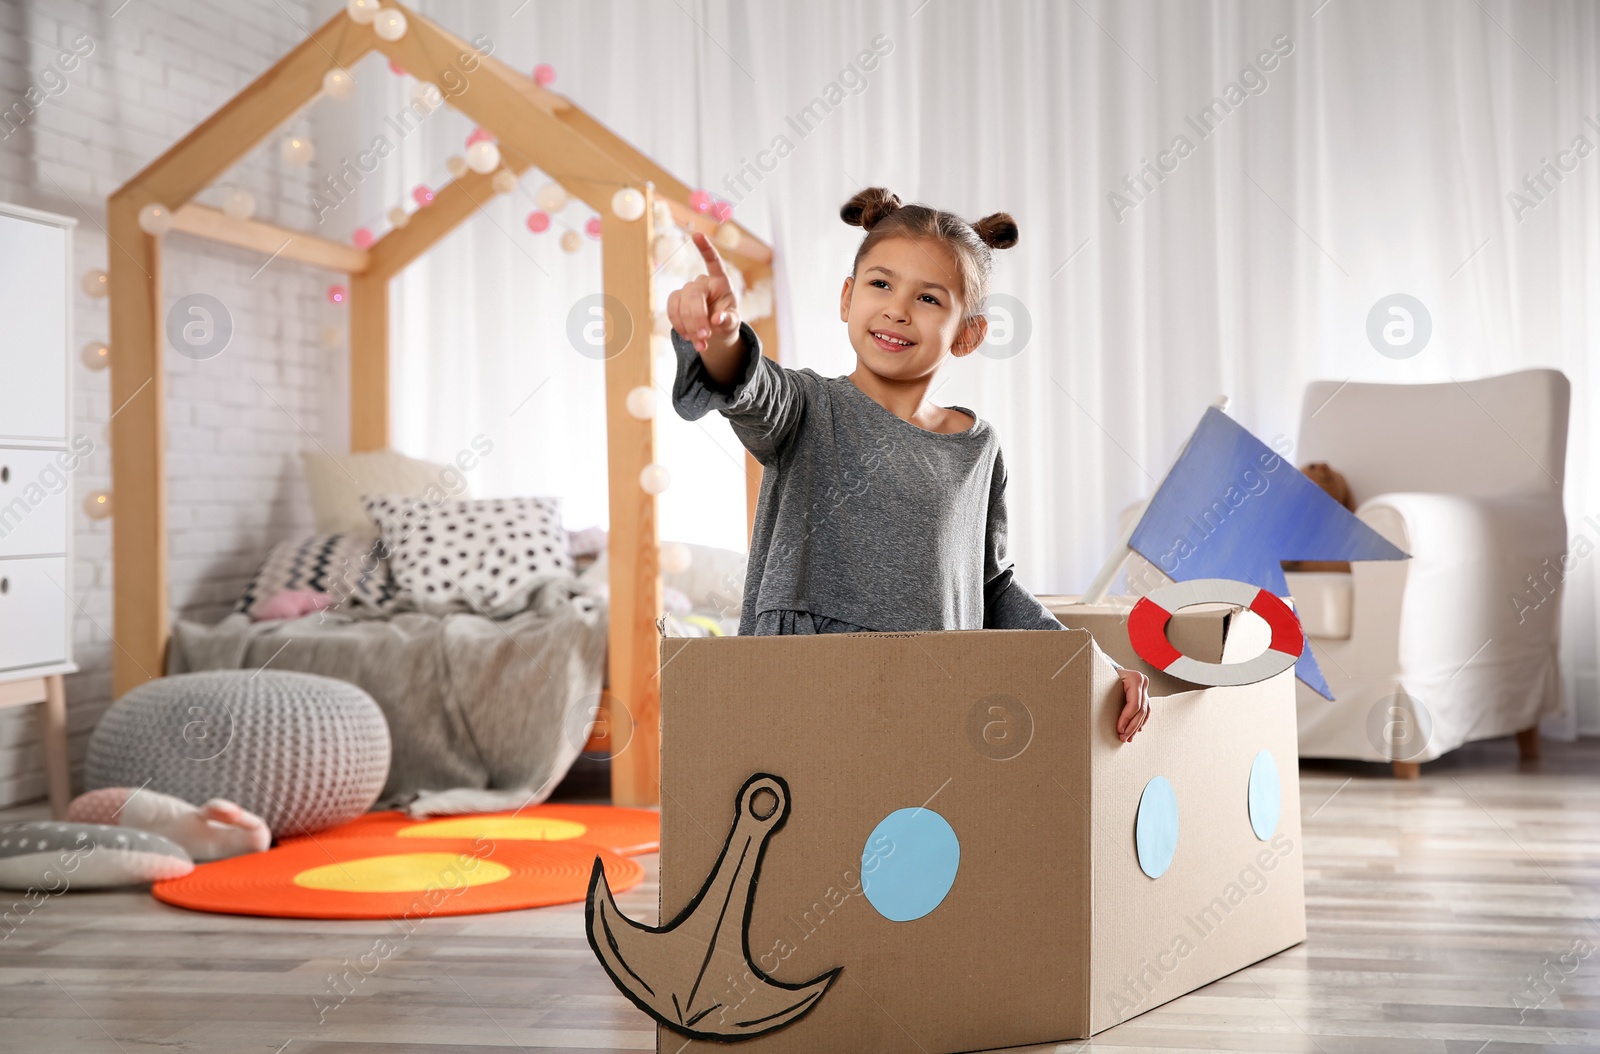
(488, 555)
(338, 484)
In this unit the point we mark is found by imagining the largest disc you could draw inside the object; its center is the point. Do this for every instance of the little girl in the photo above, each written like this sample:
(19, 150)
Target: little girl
(879, 510)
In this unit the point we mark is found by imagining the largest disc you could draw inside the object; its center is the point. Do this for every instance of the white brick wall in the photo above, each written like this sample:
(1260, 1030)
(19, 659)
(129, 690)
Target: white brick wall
(235, 423)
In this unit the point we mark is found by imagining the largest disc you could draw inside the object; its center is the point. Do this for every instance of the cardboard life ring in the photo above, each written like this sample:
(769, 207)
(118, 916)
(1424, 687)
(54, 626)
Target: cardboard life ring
(1147, 631)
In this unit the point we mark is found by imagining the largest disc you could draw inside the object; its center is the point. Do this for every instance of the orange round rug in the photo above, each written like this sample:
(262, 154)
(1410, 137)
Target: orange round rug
(380, 878)
(626, 831)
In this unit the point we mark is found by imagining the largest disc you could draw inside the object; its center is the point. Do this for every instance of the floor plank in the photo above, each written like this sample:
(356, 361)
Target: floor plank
(1438, 915)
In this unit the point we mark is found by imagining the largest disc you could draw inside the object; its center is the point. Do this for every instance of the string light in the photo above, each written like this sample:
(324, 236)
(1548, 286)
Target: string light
(641, 402)
(551, 197)
(240, 204)
(297, 150)
(483, 156)
(628, 204)
(96, 355)
(390, 24)
(155, 220)
(654, 478)
(338, 83)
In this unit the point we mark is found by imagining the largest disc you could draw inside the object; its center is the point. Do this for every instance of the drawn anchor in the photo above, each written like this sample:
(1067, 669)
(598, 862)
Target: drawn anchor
(663, 969)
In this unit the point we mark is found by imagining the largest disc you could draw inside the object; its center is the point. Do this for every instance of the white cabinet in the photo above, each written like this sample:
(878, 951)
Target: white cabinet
(33, 613)
(34, 325)
(36, 458)
(34, 486)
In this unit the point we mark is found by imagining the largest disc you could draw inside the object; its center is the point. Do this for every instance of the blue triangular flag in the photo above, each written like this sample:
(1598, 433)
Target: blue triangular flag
(1231, 507)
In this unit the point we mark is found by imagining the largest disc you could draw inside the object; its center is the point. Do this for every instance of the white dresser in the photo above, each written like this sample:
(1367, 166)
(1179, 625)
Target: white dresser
(37, 458)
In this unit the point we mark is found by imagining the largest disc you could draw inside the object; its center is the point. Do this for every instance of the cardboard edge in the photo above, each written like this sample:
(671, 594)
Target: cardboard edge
(671, 646)
(1104, 659)
(1102, 679)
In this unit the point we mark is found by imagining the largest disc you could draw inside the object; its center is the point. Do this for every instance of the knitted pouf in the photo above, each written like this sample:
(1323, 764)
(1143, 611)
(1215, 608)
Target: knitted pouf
(300, 751)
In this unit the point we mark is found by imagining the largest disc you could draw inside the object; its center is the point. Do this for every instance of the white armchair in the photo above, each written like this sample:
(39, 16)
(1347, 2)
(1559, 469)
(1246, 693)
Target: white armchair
(1459, 643)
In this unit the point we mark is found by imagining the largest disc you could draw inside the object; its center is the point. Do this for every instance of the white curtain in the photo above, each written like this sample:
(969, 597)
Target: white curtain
(1378, 154)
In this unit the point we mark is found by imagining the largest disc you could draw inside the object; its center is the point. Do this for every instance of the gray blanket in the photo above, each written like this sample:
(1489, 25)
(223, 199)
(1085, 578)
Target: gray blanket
(472, 702)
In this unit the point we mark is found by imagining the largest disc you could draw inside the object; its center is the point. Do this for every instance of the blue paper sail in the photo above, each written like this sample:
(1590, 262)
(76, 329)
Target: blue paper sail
(1233, 508)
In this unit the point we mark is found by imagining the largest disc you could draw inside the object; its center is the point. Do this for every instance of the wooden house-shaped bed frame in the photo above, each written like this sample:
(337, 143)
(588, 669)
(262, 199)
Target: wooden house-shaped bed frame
(535, 128)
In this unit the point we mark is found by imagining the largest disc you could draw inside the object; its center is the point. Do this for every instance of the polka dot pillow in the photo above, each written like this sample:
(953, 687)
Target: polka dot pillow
(487, 555)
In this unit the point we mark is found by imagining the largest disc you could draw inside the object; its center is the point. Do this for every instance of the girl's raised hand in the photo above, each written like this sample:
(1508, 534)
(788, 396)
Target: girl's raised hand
(705, 312)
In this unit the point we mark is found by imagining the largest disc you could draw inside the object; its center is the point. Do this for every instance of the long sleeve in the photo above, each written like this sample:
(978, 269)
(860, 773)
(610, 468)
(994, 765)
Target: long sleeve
(1006, 603)
(764, 405)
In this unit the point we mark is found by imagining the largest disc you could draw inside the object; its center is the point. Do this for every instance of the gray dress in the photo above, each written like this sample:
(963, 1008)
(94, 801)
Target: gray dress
(864, 521)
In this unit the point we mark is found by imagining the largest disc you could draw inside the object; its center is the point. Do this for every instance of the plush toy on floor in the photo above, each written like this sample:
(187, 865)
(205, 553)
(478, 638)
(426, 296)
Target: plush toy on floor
(213, 831)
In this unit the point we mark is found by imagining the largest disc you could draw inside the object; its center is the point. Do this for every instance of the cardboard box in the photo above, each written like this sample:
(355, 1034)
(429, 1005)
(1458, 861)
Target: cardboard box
(1050, 930)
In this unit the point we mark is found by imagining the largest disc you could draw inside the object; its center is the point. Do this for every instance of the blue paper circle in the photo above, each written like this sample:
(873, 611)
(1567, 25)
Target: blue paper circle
(1266, 795)
(1155, 833)
(909, 863)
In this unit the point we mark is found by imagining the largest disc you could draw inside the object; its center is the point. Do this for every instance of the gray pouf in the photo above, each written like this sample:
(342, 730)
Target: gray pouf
(302, 752)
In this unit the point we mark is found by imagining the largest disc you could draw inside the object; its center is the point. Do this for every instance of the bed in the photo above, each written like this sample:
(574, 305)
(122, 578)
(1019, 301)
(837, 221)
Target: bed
(491, 691)
(533, 128)
(472, 703)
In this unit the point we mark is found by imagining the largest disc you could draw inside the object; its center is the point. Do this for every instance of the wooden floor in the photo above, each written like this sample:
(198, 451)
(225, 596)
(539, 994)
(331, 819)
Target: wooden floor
(1439, 913)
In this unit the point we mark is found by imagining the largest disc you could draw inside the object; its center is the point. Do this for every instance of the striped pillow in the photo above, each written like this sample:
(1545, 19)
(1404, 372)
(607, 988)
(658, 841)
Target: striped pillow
(348, 567)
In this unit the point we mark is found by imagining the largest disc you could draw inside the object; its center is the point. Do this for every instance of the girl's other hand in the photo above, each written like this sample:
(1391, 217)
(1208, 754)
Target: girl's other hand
(705, 312)
(1136, 711)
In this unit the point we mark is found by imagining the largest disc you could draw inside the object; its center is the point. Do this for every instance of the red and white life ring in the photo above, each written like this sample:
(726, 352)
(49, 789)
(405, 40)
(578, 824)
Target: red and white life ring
(1147, 631)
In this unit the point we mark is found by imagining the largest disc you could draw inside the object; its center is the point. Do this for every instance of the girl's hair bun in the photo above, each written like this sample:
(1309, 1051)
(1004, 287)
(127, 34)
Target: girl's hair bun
(870, 206)
(998, 230)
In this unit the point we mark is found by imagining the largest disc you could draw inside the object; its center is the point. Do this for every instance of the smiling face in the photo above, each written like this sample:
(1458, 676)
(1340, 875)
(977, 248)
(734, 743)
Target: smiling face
(903, 309)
